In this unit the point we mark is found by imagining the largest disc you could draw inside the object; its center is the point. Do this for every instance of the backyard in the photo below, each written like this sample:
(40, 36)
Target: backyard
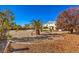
(37, 29)
(47, 42)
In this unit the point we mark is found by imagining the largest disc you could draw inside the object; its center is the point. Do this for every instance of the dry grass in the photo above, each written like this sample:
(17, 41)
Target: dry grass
(66, 44)
(69, 44)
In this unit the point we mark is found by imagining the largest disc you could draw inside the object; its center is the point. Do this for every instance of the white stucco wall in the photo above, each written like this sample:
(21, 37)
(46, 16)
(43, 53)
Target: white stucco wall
(50, 24)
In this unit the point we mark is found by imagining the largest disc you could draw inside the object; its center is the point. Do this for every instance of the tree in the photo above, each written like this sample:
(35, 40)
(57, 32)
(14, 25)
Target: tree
(16, 27)
(27, 26)
(68, 19)
(37, 26)
(6, 18)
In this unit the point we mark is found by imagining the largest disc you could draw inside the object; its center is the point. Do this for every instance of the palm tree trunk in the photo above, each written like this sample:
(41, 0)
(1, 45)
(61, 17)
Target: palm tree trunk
(37, 32)
(71, 31)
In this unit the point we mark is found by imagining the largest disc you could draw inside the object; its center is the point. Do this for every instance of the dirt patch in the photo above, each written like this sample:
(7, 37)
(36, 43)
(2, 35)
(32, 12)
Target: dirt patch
(46, 42)
(68, 45)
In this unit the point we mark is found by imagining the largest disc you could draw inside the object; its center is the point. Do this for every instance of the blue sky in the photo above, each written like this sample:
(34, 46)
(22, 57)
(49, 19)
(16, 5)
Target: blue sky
(25, 13)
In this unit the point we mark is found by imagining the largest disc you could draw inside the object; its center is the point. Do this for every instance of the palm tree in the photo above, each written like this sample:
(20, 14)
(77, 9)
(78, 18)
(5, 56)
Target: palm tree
(37, 26)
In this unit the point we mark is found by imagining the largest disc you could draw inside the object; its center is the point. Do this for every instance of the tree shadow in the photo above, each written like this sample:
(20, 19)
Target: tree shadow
(33, 38)
(77, 33)
(27, 39)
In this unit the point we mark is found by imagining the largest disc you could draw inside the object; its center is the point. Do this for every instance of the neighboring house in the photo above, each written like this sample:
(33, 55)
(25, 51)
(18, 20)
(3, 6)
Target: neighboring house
(50, 25)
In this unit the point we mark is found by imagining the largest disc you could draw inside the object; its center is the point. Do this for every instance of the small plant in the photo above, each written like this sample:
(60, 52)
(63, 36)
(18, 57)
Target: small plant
(9, 37)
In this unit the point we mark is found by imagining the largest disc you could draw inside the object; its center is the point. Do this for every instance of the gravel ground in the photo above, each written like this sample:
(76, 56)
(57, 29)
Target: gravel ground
(70, 44)
(2, 45)
(25, 36)
(29, 36)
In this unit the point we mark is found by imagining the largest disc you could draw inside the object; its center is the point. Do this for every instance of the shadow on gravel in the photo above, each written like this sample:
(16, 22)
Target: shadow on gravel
(23, 39)
(39, 37)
